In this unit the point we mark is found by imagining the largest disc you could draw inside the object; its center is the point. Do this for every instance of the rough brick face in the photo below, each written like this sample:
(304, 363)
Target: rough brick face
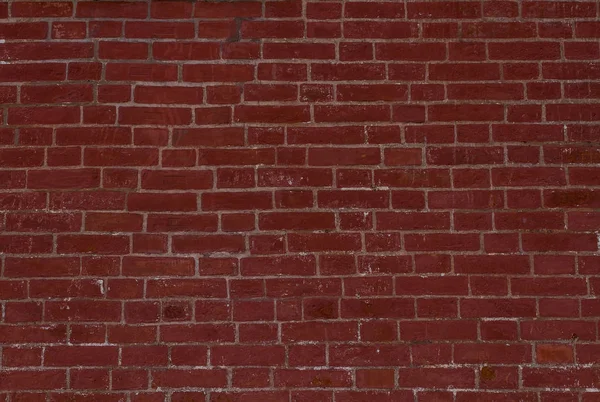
(299, 200)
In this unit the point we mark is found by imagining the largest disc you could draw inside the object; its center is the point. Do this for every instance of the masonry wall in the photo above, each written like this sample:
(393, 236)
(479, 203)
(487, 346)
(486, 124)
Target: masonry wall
(300, 201)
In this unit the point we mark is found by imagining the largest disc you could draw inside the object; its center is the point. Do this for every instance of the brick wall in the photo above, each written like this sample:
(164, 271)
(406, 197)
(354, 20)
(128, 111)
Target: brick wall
(300, 201)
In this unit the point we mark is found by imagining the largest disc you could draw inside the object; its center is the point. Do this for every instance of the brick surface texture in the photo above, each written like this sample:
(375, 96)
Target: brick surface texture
(299, 201)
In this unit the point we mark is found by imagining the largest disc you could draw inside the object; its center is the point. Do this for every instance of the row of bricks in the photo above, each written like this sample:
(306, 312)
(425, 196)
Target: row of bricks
(314, 50)
(195, 95)
(295, 71)
(441, 333)
(382, 221)
(119, 244)
(375, 157)
(435, 135)
(268, 313)
(314, 10)
(325, 265)
(247, 29)
(294, 114)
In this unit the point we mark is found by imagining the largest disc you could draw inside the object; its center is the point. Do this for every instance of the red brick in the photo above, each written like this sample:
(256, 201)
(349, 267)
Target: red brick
(43, 379)
(181, 378)
(154, 115)
(223, 94)
(442, 242)
(354, 51)
(105, 9)
(101, 244)
(247, 355)
(32, 72)
(140, 72)
(22, 357)
(251, 378)
(161, 202)
(323, 30)
(149, 243)
(466, 112)
(443, 9)
(105, 29)
(47, 51)
(182, 223)
(93, 136)
(208, 243)
(492, 264)
(299, 203)
(554, 354)
(84, 310)
(56, 94)
(440, 30)
(217, 73)
(540, 377)
(323, 241)
(432, 285)
(162, 30)
(498, 307)
(380, 308)
(179, 157)
(271, 29)
(20, 312)
(496, 396)
(464, 72)
(25, 244)
(325, 135)
(43, 115)
(43, 222)
(299, 50)
(347, 178)
(574, 198)
(408, 178)
(324, 10)
(492, 353)
(225, 10)
(424, 92)
(281, 71)
(436, 377)
(123, 50)
(486, 91)
(296, 221)
(559, 9)
(557, 330)
(143, 266)
(526, 132)
(266, 396)
(64, 179)
(60, 356)
(271, 114)
(372, 10)
(42, 9)
(352, 199)
(176, 179)
(384, 264)
(380, 30)
(564, 112)
(499, 330)
(176, 9)
(270, 92)
(496, 286)
(236, 201)
(499, 29)
(168, 95)
(438, 307)
(214, 137)
(559, 242)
